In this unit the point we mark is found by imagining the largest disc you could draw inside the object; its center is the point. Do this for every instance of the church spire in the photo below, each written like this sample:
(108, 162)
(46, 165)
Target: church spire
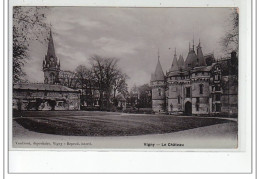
(51, 49)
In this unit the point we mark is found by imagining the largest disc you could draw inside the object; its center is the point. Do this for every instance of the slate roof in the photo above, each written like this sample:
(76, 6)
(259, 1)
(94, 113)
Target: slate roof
(158, 74)
(191, 60)
(200, 55)
(42, 87)
(202, 68)
(181, 62)
(174, 66)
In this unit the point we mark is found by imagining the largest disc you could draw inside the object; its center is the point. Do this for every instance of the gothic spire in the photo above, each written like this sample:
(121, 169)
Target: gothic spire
(51, 49)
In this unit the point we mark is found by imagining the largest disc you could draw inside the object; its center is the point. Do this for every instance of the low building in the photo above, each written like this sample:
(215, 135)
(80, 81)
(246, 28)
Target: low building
(36, 96)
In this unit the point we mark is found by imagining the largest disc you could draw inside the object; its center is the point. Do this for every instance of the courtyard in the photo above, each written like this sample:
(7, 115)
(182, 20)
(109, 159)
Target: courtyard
(123, 129)
(83, 123)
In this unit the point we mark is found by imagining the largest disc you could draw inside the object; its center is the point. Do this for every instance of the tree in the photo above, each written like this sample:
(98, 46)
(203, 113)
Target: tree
(145, 96)
(105, 71)
(28, 24)
(68, 78)
(119, 84)
(133, 96)
(230, 41)
(87, 83)
(81, 75)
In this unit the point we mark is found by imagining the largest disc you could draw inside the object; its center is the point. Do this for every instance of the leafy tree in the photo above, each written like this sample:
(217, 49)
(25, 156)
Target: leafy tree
(28, 24)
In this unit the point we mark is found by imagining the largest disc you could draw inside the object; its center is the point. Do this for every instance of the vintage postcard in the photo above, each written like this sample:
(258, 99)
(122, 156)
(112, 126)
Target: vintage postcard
(124, 77)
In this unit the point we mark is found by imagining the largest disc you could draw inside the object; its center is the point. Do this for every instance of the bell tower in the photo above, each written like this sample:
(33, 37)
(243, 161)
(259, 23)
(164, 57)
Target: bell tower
(51, 64)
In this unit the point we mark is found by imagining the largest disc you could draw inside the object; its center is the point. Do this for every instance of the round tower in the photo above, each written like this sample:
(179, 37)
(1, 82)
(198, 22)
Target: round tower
(158, 89)
(200, 85)
(174, 87)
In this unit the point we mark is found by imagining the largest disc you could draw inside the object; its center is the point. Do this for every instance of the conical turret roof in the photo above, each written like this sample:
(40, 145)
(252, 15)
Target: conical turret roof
(191, 60)
(201, 59)
(181, 62)
(158, 74)
(174, 66)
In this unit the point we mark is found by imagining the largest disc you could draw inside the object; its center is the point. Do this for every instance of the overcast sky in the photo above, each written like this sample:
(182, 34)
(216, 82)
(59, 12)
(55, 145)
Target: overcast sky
(131, 34)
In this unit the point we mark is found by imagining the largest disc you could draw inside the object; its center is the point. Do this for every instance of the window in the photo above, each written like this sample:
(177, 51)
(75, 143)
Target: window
(197, 107)
(160, 92)
(197, 100)
(201, 88)
(188, 92)
(218, 107)
(217, 88)
(217, 77)
(52, 78)
(179, 100)
(217, 97)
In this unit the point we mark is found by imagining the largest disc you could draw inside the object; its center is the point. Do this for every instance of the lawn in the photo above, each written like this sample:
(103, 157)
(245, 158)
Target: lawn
(82, 123)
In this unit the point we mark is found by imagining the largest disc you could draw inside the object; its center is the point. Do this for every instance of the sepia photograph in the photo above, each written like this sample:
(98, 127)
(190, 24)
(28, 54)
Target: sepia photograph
(124, 78)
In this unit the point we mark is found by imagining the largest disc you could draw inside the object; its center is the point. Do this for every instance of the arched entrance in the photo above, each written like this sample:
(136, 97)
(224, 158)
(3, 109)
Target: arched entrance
(188, 108)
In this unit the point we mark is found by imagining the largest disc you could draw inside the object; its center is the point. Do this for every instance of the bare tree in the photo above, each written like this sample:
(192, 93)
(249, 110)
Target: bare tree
(28, 24)
(105, 72)
(81, 76)
(119, 84)
(230, 41)
(68, 78)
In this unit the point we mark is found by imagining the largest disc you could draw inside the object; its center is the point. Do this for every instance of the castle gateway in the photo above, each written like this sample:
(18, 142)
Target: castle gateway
(200, 85)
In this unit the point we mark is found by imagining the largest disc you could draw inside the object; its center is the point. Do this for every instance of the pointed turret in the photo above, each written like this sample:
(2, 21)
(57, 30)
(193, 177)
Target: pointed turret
(174, 66)
(192, 59)
(158, 74)
(201, 58)
(181, 62)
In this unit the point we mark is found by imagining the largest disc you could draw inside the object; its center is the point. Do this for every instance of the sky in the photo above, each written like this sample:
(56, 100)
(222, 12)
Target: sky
(132, 35)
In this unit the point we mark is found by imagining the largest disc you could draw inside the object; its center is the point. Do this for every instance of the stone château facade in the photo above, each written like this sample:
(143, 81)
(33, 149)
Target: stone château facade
(200, 85)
